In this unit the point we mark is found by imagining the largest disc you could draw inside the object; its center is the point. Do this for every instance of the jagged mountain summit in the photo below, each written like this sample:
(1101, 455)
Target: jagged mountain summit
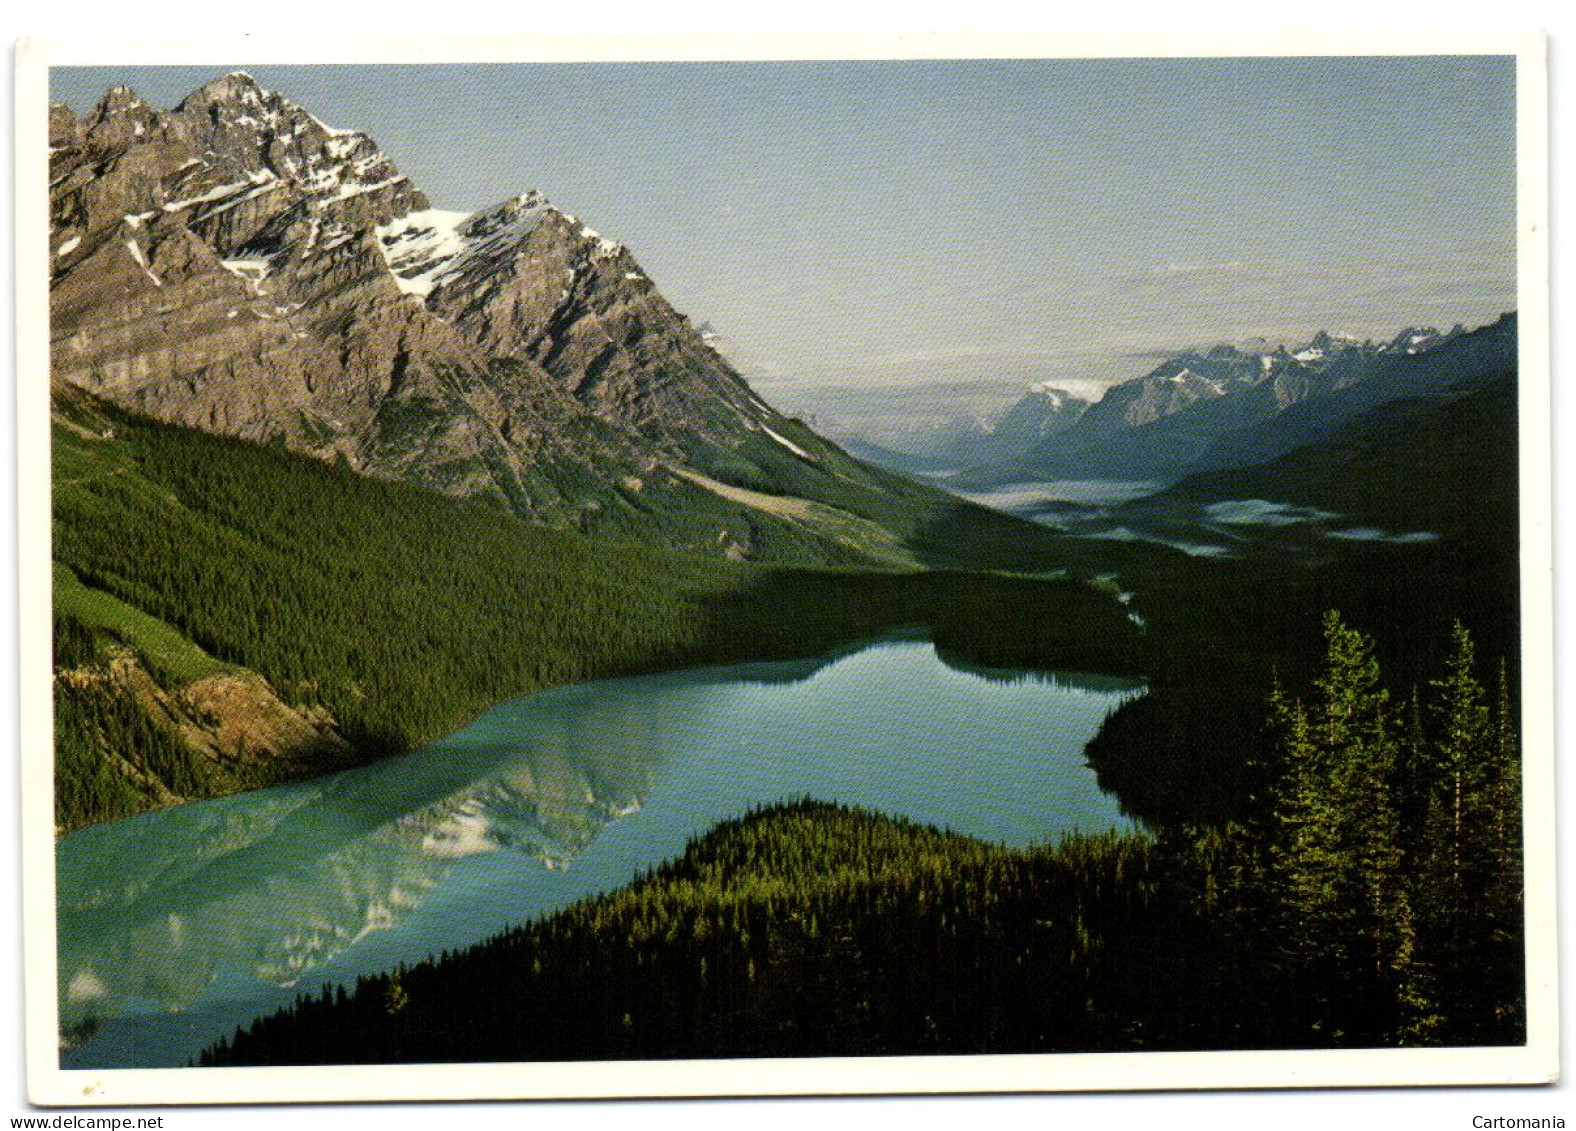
(1043, 411)
(1272, 380)
(236, 265)
(1196, 406)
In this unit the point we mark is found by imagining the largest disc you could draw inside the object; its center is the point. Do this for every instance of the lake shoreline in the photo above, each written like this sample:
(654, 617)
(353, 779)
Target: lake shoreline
(813, 651)
(554, 797)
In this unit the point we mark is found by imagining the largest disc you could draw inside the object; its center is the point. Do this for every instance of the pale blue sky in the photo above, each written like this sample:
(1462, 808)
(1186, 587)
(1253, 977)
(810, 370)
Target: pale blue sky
(989, 223)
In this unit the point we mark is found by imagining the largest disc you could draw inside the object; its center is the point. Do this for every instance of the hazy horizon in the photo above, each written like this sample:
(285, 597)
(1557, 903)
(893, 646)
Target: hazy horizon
(857, 231)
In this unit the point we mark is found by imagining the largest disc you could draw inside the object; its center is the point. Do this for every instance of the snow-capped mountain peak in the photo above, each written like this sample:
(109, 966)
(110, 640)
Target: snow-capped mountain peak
(237, 264)
(1421, 339)
(242, 132)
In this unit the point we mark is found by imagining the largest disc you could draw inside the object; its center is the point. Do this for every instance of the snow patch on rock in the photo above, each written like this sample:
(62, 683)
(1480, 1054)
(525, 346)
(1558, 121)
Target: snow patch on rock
(425, 249)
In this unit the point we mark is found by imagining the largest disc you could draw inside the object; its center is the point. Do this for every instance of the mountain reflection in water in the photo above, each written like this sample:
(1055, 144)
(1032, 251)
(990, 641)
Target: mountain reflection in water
(176, 926)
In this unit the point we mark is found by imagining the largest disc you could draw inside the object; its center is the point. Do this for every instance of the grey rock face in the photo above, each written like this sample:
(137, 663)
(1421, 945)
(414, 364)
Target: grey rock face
(1185, 410)
(1043, 411)
(528, 282)
(234, 264)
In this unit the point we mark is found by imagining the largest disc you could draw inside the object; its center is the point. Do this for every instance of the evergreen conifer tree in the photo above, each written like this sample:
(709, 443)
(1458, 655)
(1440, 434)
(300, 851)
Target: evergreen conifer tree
(1337, 873)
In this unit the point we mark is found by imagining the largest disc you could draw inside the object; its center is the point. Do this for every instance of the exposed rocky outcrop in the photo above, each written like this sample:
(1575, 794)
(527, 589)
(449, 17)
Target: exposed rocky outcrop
(232, 725)
(235, 265)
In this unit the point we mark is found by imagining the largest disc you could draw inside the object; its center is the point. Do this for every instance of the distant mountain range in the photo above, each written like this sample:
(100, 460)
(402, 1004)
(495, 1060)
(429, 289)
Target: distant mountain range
(1197, 410)
(1408, 471)
(969, 440)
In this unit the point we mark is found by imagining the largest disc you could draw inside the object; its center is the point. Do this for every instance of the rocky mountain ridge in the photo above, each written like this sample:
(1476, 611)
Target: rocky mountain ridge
(236, 265)
(1213, 390)
(1280, 377)
(1159, 425)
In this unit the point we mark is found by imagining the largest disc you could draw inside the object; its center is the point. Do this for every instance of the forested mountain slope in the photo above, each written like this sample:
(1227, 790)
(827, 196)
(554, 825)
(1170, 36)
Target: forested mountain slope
(349, 617)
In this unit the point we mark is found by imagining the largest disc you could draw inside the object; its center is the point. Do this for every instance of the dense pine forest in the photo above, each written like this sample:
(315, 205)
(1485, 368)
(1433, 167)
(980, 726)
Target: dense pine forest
(1222, 631)
(182, 556)
(1332, 858)
(804, 929)
(1369, 894)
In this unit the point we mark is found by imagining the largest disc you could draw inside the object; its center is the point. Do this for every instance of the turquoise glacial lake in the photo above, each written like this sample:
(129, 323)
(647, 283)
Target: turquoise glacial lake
(176, 927)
